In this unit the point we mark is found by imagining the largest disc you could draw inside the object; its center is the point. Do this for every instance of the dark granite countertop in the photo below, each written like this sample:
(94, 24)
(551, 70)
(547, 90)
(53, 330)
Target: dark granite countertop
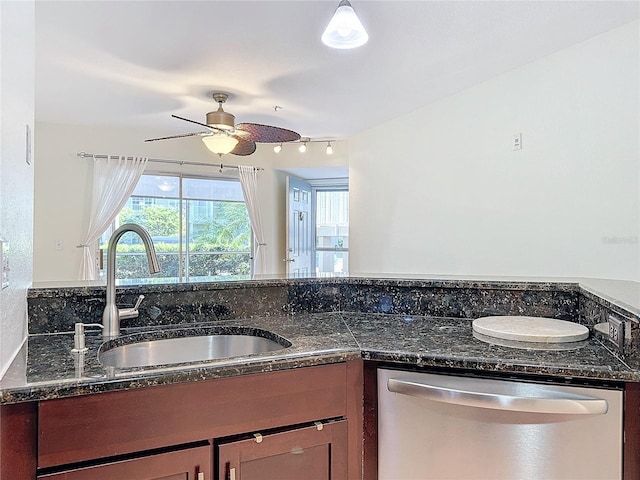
(47, 369)
(451, 343)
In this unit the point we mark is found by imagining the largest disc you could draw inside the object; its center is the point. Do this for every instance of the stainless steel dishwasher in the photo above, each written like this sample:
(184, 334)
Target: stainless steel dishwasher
(446, 427)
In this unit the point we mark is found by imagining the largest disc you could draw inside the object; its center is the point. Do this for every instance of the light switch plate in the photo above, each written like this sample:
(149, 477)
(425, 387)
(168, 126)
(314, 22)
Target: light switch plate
(4, 262)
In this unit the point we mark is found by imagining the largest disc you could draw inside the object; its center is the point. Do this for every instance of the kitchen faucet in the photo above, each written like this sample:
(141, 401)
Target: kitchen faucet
(111, 315)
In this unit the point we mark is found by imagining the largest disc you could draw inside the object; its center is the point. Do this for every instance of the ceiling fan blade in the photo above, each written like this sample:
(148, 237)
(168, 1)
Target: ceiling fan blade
(267, 133)
(214, 129)
(244, 146)
(176, 136)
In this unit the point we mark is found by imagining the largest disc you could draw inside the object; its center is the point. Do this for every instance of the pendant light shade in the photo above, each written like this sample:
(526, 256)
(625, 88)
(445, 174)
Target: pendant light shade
(220, 143)
(345, 29)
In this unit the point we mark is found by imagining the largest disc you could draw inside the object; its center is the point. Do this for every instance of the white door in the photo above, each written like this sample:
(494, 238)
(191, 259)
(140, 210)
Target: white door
(299, 228)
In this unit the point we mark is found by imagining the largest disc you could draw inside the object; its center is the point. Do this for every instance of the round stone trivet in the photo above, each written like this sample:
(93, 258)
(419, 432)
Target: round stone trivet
(530, 329)
(602, 328)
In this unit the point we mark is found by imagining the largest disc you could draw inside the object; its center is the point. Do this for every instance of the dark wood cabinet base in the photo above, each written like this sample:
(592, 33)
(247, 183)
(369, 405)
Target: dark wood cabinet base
(18, 441)
(216, 409)
(106, 435)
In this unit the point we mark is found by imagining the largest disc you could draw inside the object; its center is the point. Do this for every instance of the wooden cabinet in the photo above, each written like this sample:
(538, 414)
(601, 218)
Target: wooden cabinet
(187, 464)
(168, 432)
(18, 441)
(317, 452)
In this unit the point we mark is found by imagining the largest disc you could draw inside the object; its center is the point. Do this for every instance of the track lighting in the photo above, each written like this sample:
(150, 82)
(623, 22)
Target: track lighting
(302, 145)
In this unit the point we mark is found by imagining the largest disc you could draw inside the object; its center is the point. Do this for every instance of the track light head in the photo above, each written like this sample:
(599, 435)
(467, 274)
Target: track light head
(329, 149)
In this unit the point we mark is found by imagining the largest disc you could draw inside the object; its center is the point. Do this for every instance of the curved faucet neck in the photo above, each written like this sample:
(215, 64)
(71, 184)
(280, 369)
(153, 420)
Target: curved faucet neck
(111, 317)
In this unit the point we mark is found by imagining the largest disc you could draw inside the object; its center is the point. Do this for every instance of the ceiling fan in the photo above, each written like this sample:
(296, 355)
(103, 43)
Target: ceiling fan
(224, 136)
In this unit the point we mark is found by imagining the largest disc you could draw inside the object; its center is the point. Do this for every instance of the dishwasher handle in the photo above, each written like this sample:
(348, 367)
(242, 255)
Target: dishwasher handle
(555, 403)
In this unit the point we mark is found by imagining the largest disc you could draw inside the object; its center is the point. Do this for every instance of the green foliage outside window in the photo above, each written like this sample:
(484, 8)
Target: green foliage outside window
(131, 262)
(219, 244)
(159, 220)
(228, 229)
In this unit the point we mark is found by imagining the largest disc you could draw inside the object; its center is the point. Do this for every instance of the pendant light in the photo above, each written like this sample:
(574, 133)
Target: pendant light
(345, 29)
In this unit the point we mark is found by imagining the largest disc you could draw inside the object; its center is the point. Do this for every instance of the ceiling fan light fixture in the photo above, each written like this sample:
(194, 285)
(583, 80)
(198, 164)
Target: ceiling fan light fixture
(303, 148)
(223, 136)
(221, 119)
(220, 143)
(277, 148)
(345, 29)
(329, 149)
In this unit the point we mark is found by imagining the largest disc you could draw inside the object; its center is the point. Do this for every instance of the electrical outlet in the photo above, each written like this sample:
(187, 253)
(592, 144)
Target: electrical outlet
(616, 332)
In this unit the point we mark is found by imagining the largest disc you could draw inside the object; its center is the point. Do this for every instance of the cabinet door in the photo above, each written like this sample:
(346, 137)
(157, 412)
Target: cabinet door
(310, 453)
(189, 464)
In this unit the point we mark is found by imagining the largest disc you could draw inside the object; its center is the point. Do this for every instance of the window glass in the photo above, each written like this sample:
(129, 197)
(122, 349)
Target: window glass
(210, 189)
(332, 231)
(202, 235)
(163, 186)
(218, 235)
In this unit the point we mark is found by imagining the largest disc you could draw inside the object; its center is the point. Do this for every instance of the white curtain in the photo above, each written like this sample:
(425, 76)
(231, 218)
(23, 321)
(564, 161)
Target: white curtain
(114, 179)
(249, 182)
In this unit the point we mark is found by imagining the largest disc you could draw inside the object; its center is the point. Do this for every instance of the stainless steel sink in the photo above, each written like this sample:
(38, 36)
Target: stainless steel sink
(187, 349)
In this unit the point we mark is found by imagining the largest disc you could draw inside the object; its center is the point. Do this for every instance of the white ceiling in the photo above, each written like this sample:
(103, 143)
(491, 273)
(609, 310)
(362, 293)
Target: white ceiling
(134, 63)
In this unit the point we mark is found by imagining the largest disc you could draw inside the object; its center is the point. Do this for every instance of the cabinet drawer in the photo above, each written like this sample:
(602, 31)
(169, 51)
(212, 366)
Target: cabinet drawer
(103, 425)
(189, 464)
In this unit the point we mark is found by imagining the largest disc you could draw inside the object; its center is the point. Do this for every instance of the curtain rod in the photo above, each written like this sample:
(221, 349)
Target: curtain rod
(161, 160)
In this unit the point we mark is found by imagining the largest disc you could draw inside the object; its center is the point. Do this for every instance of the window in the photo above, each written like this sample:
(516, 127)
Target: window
(332, 230)
(200, 228)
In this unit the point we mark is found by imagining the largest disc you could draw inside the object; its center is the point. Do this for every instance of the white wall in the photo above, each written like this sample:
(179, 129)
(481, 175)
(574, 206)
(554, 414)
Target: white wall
(16, 176)
(440, 191)
(63, 186)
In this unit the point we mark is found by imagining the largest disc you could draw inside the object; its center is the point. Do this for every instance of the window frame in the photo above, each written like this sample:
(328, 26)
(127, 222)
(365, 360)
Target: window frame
(325, 185)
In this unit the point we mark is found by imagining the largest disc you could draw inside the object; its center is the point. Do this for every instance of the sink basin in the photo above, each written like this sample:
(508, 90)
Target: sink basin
(199, 348)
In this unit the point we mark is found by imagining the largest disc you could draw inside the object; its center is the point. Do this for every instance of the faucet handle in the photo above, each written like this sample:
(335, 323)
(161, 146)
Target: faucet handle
(138, 302)
(131, 312)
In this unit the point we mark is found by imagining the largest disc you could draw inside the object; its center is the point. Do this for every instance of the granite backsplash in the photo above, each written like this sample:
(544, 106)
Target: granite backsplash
(57, 309)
